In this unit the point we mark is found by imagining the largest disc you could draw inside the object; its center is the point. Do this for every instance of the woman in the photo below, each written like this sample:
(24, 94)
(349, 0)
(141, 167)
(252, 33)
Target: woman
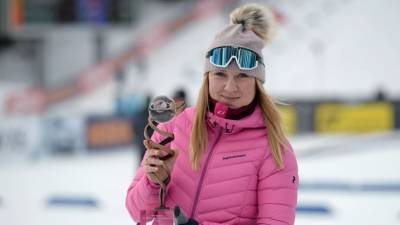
(234, 164)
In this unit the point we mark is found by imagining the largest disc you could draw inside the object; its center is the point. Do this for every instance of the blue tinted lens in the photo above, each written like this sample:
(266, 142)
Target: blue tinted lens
(216, 56)
(221, 56)
(246, 58)
(226, 55)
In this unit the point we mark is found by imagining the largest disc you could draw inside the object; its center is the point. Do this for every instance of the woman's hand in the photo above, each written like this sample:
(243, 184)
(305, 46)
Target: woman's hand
(157, 170)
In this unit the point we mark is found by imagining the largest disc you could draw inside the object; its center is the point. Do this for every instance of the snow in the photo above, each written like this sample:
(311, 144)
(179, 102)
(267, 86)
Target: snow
(357, 161)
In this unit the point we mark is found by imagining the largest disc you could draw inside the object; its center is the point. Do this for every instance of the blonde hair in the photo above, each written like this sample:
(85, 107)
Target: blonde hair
(274, 128)
(198, 137)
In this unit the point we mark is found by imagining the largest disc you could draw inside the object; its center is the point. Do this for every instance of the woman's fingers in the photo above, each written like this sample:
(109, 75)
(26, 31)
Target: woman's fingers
(151, 153)
(149, 144)
(154, 161)
(146, 143)
(153, 164)
(150, 169)
(176, 153)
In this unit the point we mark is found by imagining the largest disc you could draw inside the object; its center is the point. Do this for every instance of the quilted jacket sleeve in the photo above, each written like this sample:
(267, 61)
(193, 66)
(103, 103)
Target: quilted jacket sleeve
(142, 193)
(277, 191)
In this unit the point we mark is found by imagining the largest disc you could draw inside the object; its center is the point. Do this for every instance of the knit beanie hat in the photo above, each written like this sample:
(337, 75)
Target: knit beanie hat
(250, 27)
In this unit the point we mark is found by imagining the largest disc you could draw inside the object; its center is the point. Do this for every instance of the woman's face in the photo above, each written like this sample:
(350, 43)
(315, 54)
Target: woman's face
(234, 90)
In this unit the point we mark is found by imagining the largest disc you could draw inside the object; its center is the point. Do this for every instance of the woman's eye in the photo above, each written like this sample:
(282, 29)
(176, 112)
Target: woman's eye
(243, 75)
(219, 74)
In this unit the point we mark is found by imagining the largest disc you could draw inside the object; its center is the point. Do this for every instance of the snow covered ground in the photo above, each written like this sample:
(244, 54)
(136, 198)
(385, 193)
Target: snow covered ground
(94, 185)
(349, 180)
(344, 180)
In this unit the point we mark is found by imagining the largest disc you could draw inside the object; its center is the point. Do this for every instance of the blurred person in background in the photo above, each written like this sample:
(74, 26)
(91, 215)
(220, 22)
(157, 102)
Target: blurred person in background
(233, 162)
(180, 97)
(380, 95)
(180, 100)
(139, 122)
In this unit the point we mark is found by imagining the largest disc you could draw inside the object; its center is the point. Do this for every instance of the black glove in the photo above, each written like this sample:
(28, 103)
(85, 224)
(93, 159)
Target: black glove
(181, 219)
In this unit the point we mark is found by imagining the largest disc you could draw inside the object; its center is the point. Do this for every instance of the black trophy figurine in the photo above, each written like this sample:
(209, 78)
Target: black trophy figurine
(162, 109)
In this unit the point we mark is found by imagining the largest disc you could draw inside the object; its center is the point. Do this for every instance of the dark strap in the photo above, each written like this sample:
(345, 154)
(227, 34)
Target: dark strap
(166, 140)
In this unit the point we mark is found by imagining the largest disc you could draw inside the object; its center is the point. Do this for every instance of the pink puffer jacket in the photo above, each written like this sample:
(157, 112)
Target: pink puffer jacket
(238, 182)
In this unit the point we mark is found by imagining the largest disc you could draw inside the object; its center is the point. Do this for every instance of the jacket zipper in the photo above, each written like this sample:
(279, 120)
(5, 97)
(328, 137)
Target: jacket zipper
(196, 199)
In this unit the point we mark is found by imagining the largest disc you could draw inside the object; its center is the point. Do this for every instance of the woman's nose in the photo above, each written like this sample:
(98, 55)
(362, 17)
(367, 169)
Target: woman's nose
(231, 85)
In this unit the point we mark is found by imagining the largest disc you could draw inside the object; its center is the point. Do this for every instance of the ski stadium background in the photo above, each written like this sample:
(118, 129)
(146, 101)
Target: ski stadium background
(74, 75)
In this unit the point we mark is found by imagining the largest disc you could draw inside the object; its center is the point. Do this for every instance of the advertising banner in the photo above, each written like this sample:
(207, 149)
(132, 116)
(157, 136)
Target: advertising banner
(107, 132)
(352, 118)
(289, 117)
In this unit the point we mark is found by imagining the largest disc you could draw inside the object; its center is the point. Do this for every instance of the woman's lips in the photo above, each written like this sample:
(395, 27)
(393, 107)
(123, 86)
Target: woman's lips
(230, 98)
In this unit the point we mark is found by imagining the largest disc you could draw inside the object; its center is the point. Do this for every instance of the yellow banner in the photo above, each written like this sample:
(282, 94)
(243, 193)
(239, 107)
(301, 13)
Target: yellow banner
(289, 118)
(368, 117)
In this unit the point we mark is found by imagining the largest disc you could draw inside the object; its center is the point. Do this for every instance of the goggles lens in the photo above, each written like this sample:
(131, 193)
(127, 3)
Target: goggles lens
(245, 58)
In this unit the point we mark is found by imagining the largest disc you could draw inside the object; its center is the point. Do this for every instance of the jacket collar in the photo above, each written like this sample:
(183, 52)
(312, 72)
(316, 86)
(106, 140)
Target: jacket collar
(254, 120)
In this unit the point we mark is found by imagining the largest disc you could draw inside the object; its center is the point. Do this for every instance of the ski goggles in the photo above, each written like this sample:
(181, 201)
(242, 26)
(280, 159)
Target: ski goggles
(246, 59)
